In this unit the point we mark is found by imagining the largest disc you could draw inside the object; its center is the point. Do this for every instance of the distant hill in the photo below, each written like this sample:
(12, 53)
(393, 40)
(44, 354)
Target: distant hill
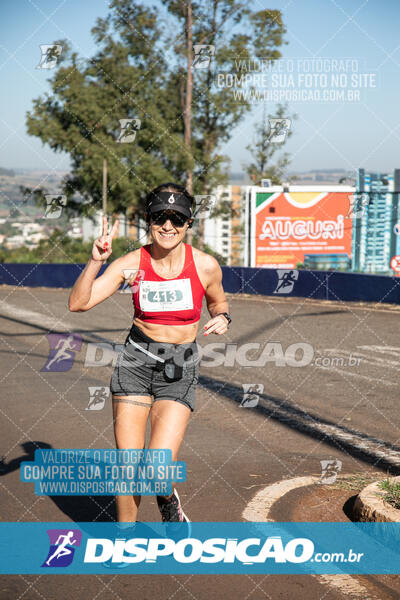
(8, 172)
(323, 177)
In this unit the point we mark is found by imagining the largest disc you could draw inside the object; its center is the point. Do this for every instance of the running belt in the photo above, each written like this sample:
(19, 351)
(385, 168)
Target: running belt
(145, 351)
(140, 336)
(137, 333)
(173, 370)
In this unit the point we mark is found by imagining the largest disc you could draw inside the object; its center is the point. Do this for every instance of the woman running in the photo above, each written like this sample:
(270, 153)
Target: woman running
(171, 279)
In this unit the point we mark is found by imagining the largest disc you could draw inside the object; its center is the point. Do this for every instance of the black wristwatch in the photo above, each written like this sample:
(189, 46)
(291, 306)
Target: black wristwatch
(227, 317)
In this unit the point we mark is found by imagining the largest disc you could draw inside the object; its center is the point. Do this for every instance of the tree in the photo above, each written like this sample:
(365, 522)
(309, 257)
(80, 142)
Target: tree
(141, 73)
(59, 247)
(126, 79)
(264, 147)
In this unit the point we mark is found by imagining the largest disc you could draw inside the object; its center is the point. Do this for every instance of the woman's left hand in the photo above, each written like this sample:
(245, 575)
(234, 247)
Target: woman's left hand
(218, 325)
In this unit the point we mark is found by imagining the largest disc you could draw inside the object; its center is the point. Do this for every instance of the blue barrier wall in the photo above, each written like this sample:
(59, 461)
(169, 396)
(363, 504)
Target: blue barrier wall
(45, 275)
(328, 285)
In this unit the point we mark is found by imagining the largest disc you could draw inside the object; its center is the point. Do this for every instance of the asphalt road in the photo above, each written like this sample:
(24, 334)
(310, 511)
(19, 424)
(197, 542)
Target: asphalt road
(336, 397)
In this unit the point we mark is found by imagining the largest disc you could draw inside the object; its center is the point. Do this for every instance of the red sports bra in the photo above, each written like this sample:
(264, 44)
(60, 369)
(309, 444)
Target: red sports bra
(162, 301)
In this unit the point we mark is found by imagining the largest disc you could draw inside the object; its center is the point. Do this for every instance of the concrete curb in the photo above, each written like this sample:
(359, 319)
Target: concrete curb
(370, 506)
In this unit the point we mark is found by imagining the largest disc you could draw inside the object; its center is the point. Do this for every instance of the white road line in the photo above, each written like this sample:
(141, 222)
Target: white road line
(393, 350)
(366, 377)
(301, 420)
(258, 510)
(34, 317)
(340, 353)
(47, 321)
(328, 304)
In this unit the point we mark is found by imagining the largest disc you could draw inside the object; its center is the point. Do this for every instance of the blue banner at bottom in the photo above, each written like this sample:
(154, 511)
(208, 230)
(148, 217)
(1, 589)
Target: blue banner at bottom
(200, 548)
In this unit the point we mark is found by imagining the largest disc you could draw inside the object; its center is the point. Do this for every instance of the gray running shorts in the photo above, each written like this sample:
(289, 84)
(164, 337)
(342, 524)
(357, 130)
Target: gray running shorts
(138, 374)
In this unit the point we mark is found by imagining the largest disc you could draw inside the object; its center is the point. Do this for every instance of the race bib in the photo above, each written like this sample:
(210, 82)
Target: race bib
(158, 296)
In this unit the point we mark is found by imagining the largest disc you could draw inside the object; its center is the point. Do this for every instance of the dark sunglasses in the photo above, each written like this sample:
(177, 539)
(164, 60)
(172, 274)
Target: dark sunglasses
(177, 219)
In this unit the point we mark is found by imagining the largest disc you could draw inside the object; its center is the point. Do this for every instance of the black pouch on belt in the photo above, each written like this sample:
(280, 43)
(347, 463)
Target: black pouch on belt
(172, 371)
(173, 365)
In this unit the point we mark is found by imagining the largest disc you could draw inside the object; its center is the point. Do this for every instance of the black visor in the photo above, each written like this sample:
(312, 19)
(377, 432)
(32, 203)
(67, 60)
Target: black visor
(170, 201)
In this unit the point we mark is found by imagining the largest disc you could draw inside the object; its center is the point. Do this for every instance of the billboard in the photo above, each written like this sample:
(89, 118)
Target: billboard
(286, 225)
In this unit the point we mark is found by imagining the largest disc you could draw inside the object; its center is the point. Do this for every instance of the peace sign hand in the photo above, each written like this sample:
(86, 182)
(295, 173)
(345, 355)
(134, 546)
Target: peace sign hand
(102, 245)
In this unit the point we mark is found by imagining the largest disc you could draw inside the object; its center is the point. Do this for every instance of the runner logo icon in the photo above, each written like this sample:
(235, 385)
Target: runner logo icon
(62, 351)
(129, 127)
(132, 279)
(278, 130)
(202, 56)
(54, 205)
(330, 470)
(98, 396)
(50, 54)
(286, 282)
(62, 547)
(251, 394)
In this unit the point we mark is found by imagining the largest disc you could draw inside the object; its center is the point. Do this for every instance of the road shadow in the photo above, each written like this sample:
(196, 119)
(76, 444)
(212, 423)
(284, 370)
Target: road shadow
(14, 463)
(77, 508)
(309, 424)
(40, 329)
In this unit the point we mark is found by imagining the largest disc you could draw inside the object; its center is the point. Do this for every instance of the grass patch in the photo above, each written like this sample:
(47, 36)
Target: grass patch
(392, 492)
(356, 482)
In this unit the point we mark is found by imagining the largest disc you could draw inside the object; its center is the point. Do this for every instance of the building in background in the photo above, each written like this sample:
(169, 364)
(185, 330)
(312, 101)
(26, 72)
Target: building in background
(225, 233)
(375, 215)
(217, 229)
(91, 227)
(326, 262)
(75, 230)
(134, 229)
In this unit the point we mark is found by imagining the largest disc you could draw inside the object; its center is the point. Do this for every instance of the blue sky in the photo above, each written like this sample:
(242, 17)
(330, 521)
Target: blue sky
(345, 134)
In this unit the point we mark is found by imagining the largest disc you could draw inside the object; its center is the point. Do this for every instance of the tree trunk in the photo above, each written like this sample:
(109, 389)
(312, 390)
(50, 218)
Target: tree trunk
(208, 137)
(189, 88)
(187, 113)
